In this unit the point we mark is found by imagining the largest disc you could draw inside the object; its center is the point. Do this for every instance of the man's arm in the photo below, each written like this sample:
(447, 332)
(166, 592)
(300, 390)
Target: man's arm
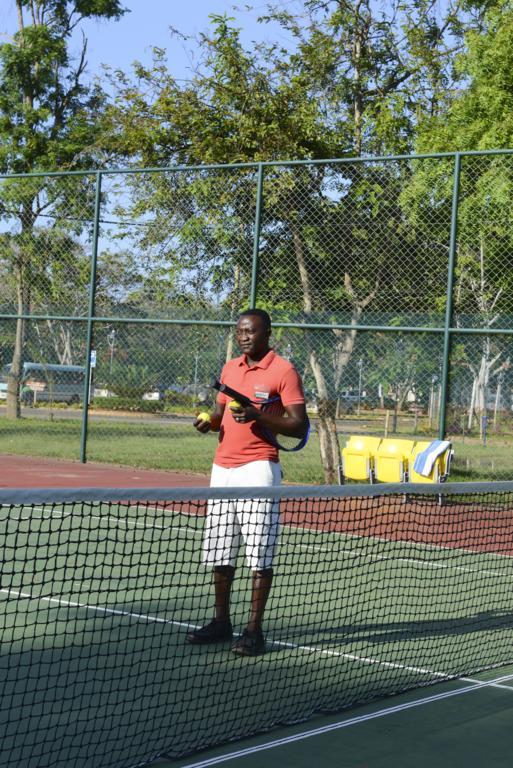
(294, 424)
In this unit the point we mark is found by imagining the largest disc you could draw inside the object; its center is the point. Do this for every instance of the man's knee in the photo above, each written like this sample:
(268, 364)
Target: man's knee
(227, 571)
(263, 573)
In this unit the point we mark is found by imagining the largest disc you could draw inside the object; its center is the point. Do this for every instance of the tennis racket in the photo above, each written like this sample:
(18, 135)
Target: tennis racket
(289, 444)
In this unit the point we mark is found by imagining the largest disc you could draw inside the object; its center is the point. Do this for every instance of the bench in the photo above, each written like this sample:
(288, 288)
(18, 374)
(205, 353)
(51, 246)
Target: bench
(390, 460)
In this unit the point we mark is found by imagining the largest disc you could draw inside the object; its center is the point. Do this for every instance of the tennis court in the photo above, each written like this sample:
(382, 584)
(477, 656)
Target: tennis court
(455, 724)
(376, 593)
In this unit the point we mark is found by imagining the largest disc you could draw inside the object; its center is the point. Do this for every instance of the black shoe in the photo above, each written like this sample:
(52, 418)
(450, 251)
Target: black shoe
(215, 632)
(249, 644)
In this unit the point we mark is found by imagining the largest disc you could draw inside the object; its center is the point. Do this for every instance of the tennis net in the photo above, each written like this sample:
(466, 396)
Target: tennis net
(377, 590)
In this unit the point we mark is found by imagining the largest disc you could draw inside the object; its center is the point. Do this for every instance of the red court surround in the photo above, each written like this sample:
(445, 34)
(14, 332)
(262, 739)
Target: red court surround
(29, 472)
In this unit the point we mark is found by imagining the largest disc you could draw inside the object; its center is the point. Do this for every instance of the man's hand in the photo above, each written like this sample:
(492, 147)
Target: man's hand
(209, 422)
(244, 415)
(203, 423)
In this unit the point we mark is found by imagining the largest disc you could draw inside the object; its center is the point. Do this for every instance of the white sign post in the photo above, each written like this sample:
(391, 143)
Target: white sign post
(92, 364)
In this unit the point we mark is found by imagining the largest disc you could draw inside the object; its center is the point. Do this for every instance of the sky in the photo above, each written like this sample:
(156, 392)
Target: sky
(118, 44)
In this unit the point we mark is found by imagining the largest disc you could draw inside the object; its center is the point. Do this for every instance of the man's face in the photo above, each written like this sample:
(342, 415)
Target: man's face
(252, 336)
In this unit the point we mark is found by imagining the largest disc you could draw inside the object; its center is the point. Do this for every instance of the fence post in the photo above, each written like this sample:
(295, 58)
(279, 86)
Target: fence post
(256, 237)
(449, 297)
(90, 316)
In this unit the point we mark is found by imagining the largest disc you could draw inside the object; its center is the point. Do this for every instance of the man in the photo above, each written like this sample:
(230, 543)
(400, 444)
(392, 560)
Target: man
(245, 458)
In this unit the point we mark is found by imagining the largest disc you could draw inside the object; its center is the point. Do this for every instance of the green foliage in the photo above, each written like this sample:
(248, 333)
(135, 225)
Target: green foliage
(343, 88)
(178, 400)
(130, 380)
(127, 403)
(48, 120)
(335, 243)
(478, 115)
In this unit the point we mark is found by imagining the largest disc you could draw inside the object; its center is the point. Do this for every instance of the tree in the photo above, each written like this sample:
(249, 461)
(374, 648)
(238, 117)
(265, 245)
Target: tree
(341, 91)
(59, 285)
(478, 116)
(476, 112)
(48, 120)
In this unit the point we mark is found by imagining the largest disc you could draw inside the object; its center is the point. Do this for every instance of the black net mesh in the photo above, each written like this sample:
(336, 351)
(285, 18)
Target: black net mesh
(376, 591)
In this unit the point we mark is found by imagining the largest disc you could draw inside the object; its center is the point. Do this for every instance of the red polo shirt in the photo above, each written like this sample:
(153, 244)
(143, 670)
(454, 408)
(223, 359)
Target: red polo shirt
(271, 376)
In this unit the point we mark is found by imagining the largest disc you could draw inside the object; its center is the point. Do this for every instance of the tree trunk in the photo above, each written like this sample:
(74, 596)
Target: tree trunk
(234, 305)
(362, 25)
(346, 341)
(326, 424)
(344, 346)
(65, 353)
(480, 386)
(13, 408)
(481, 390)
(471, 406)
(23, 292)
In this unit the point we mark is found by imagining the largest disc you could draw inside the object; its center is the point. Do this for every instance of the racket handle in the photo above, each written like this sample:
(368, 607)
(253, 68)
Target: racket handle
(226, 390)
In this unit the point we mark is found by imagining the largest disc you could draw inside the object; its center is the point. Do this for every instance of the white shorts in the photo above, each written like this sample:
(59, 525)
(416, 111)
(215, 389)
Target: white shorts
(254, 521)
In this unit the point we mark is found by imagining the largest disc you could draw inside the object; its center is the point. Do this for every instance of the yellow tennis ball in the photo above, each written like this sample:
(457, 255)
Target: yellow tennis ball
(233, 405)
(204, 416)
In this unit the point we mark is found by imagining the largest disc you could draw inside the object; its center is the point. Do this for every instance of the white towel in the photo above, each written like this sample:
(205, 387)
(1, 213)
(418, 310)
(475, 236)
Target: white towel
(425, 460)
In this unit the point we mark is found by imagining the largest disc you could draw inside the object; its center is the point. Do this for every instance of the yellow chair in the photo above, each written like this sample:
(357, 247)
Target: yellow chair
(392, 460)
(440, 470)
(358, 457)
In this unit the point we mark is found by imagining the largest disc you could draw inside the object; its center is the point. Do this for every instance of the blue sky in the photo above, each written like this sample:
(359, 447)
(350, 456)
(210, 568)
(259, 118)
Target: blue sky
(120, 43)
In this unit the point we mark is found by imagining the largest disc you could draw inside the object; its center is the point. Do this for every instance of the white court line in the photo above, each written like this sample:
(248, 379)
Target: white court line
(410, 561)
(318, 547)
(475, 685)
(400, 542)
(344, 534)
(127, 522)
(96, 608)
(353, 657)
(340, 534)
(281, 644)
(491, 683)
(241, 753)
(277, 643)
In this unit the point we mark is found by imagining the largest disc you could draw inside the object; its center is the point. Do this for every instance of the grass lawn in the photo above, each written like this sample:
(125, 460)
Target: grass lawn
(178, 447)
(170, 447)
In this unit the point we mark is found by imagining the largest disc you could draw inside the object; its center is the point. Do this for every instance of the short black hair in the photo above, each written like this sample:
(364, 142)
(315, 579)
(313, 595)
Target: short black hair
(261, 313)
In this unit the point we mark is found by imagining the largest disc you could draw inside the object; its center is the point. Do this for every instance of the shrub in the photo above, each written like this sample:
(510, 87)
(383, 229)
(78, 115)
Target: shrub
(132, 404)
(178, 399)
(130, 381)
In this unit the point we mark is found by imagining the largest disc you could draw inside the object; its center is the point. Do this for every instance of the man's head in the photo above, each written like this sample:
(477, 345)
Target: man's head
(253, 332)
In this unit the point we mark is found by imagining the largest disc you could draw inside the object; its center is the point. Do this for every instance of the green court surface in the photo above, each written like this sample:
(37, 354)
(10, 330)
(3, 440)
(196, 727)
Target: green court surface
(459, 724)
(96, 601)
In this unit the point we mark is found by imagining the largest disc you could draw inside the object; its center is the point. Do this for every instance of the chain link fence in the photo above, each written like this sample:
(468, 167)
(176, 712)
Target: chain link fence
(388, 281)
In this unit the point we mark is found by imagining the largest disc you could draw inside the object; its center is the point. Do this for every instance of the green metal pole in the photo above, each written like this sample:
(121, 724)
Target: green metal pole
(449, 298)
(90, 316)
(256, 237)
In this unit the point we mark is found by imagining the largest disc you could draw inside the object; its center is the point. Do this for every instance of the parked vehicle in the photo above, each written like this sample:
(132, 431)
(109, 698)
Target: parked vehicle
(348, 401)
(47, 382)
(200, 392)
